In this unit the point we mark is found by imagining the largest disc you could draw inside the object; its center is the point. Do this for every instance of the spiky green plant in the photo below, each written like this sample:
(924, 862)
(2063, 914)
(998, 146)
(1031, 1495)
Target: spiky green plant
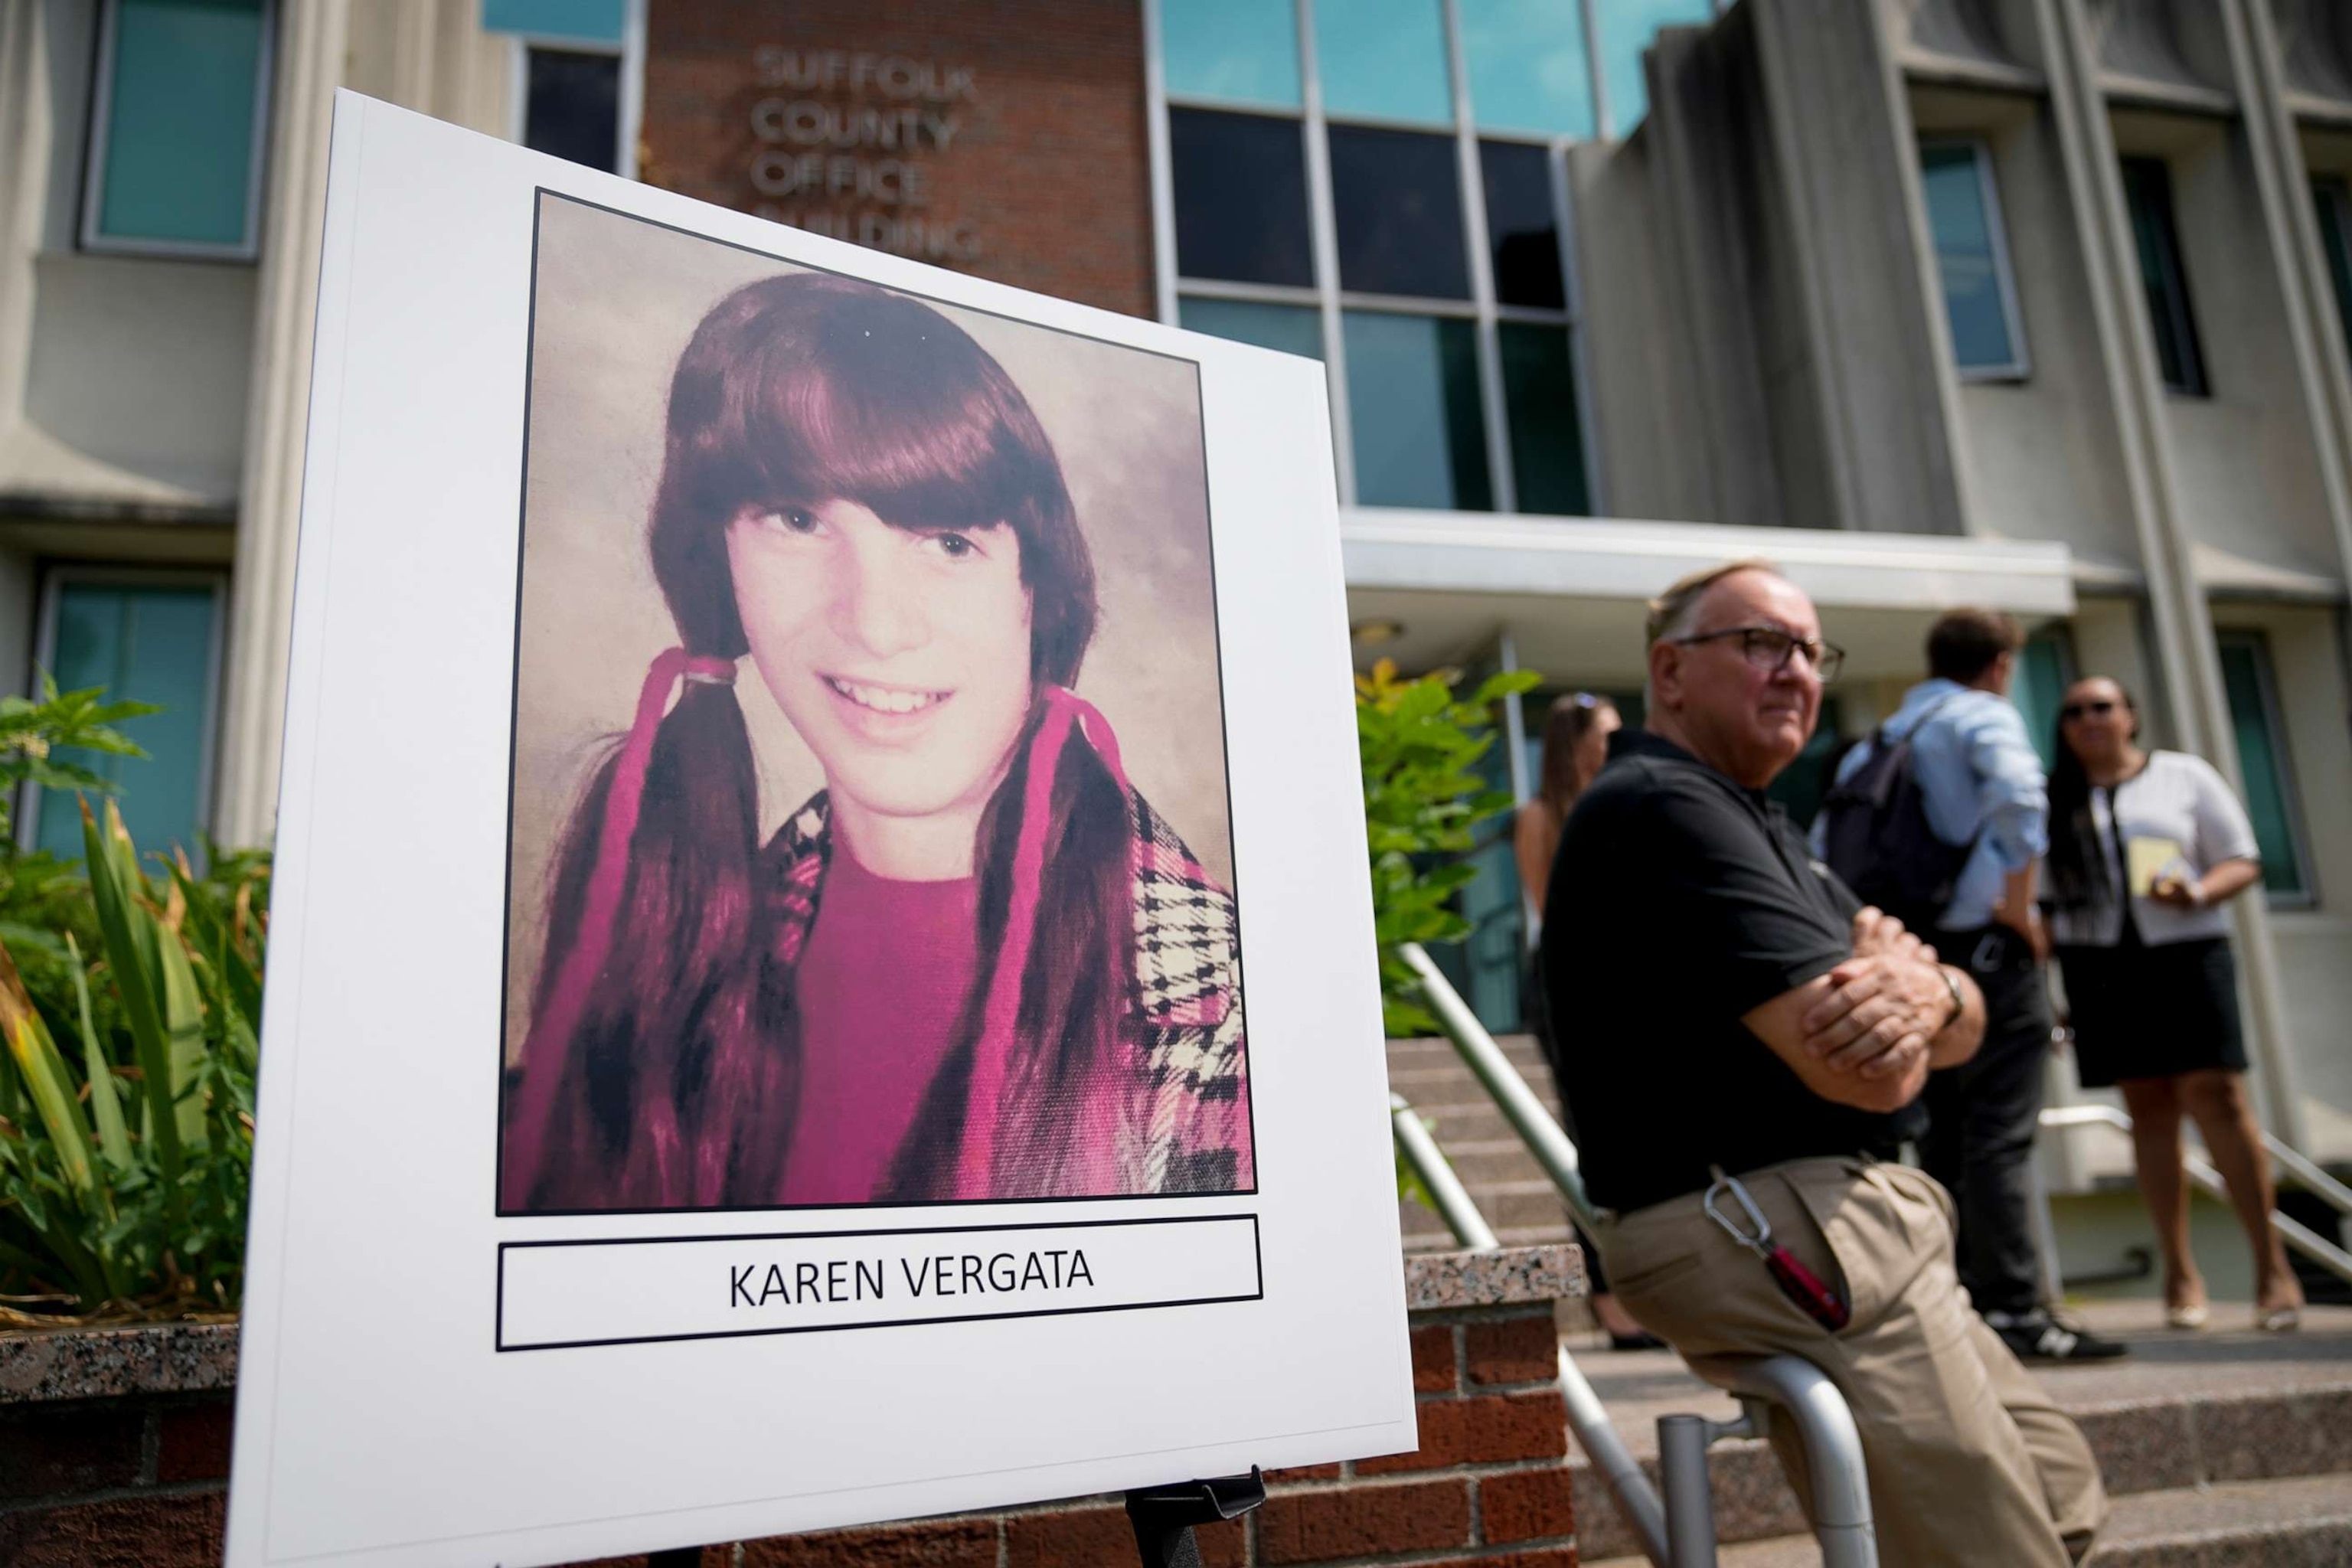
(124, 1160)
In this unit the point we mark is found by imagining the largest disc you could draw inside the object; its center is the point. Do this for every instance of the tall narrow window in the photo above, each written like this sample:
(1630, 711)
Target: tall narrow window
(2334, 198)
(1972, 257)
(2262, 765)
(149, 640)
(178, 125)
(2148, 187)
(2045, 668)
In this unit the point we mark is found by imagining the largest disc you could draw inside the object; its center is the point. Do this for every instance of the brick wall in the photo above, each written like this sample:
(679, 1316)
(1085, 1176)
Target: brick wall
(114, 1483)
(1005, 139)
(138, 1482)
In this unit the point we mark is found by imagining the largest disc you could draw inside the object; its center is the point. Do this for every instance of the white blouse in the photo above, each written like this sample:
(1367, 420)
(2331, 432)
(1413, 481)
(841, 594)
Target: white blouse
(2177, 802)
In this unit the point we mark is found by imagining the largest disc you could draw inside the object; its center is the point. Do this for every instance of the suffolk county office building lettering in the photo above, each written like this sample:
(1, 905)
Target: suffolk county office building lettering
(839, 1279)
(847, 144)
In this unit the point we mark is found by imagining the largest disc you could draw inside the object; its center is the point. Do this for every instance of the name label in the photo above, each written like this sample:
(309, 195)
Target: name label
(558, 1295)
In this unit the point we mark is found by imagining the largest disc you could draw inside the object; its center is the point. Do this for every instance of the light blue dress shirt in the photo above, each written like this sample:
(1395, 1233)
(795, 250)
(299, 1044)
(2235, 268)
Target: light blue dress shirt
(1981, 778)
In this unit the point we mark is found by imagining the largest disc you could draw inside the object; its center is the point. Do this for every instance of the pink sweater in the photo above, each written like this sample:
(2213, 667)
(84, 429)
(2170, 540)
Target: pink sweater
(884, 975)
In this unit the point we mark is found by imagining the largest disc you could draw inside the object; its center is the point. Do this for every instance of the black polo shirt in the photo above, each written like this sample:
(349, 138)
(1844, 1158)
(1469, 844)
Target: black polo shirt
(1679, 902)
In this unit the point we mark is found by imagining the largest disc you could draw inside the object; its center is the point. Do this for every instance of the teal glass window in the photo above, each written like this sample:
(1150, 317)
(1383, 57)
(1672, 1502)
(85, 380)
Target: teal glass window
(1625, 29)
(1292, 329)
(1547, 440)
(583, 21)
(144, 643)
(1413, 399)
(2164, 276)
(1232, 52)
(1384, 59)
(2333, 199)
(1964, 219)
(2045, 668)
(177, 126)
(1529, 69)
(2262, 765)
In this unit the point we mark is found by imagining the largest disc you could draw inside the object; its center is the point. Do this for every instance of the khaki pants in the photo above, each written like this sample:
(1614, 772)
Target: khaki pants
(1969, 1461)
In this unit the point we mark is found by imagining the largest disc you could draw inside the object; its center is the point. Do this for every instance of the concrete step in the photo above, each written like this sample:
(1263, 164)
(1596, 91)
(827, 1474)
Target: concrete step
(2305, 1522)
(2184, 1410)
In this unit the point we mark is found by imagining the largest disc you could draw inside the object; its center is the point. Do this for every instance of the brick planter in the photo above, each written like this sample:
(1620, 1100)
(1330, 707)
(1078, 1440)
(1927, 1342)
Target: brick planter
(114, 1448)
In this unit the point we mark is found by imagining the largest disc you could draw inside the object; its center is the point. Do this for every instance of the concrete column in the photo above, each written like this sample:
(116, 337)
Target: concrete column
(310, 56)
(2321, 367)
(2194, 700)
(25, 144)
(1855, 237)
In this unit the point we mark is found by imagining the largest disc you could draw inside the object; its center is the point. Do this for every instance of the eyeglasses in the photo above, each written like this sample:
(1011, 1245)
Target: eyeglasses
(1770, 647)
(2073, 711)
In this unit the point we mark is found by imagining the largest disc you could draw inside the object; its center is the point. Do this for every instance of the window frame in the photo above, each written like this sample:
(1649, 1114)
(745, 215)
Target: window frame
(88, 237)
(628, 121)
(55, 577)
(2019, 367)
(2257, 642)
(1331, 300)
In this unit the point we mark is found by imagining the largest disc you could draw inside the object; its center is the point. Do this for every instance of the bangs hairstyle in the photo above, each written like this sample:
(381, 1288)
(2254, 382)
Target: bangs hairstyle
(808, 388)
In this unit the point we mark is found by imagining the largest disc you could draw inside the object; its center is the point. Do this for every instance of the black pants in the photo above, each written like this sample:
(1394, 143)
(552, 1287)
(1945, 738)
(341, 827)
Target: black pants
(1981, 1118)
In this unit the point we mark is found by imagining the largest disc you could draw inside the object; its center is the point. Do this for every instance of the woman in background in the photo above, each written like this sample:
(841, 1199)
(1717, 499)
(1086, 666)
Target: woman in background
(1576, 743)
(2145, 847)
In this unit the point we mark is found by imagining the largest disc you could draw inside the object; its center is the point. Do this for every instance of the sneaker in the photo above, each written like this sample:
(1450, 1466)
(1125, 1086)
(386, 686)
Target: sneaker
(2039, 1336)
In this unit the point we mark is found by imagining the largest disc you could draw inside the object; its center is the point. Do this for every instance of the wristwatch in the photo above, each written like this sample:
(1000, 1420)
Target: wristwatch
(1959, 1003)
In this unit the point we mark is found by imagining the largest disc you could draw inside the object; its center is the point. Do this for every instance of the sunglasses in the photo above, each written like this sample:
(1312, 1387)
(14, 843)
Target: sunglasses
(2073, 711)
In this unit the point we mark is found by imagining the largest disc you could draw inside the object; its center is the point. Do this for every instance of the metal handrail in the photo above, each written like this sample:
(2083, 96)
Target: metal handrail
(2293, 1231)
(1833, 1444)
(1438, 1179)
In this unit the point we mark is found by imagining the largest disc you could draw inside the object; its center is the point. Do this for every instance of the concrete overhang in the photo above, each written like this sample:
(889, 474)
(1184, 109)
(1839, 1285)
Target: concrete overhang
(1571, 591)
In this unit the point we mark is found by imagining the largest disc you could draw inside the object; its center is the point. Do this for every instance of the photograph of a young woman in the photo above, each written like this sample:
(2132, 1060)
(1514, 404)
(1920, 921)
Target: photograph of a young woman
(975, 963)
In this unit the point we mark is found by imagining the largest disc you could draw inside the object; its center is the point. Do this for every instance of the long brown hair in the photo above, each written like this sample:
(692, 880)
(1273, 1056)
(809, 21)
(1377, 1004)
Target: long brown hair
(1571, 720)
(680, 1090)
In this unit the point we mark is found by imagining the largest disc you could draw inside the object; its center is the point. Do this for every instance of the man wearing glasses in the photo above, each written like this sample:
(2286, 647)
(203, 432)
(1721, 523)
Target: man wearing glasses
(1752, 1043)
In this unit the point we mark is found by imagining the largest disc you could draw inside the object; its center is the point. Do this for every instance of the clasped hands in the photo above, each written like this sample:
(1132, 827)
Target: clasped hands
(1886, 1005)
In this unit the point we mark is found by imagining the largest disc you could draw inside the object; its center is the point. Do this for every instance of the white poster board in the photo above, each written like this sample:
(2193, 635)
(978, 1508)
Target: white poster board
(626, 1174)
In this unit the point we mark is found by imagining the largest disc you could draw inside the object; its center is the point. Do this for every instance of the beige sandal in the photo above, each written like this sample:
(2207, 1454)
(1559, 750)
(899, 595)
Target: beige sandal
(2279, 1319)
(2191, 1318)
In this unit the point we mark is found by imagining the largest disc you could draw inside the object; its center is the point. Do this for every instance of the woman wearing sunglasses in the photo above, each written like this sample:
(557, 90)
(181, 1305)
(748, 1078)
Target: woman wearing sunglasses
(2145, 847)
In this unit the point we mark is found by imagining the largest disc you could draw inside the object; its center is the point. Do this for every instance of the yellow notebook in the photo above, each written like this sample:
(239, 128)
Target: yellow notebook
(2151, 858)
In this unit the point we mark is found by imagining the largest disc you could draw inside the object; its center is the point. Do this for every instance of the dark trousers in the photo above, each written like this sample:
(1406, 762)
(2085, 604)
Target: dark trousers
(1981, 1118)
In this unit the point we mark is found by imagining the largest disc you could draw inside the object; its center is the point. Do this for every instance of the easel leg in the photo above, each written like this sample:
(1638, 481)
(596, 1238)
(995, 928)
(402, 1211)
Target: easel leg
(1163, 1517)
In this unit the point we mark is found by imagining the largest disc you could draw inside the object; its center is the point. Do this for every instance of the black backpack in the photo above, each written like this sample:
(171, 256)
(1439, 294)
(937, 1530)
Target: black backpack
(1876, 837)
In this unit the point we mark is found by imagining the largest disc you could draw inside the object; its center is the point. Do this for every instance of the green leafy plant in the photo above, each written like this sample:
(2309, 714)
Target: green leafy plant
(125, 1157)
(1419, 744)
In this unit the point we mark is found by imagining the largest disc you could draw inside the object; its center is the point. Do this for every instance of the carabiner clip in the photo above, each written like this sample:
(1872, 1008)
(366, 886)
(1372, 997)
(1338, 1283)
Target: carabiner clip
(1803, 1287)
(1761, 1243)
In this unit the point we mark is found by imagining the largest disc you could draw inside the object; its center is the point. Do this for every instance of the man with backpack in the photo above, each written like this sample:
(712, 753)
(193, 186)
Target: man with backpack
(1941, 818)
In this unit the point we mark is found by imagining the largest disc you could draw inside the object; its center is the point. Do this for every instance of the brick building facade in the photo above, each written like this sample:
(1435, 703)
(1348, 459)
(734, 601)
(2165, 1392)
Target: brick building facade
(1005, 140)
